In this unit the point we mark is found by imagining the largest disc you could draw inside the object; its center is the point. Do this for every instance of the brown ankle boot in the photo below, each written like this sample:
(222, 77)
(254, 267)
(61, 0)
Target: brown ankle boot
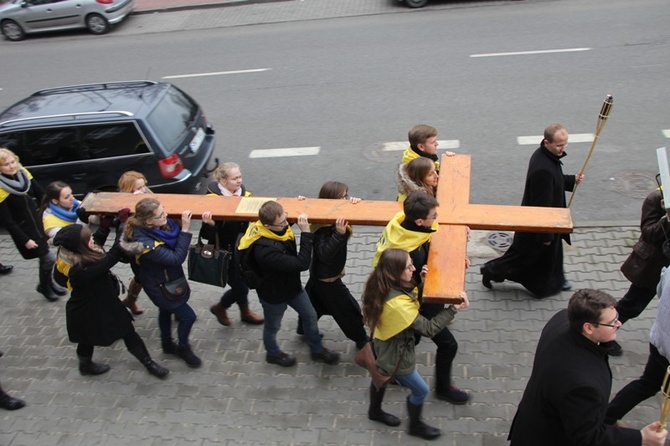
(249, 316)
(130, 301)
(220, 313)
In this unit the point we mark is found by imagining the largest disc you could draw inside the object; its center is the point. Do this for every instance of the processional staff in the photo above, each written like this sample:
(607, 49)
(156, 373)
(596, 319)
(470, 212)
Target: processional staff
(602, 119)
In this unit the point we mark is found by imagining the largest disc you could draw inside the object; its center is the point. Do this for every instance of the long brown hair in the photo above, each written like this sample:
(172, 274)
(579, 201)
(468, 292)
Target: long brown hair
(84, 254)
(333, 189)
(417, 170)
(385, 277)
(144, 210)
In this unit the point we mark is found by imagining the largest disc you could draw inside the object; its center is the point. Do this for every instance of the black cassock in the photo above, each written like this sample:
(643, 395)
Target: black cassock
(536, 266)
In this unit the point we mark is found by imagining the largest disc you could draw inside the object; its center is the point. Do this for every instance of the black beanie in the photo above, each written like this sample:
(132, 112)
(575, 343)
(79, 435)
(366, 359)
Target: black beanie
(69, 237)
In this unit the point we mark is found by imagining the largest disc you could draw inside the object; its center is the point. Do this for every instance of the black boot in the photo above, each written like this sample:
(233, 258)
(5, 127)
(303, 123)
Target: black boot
(375, 412)
(417, 427)
(189, 357)
(10, 403)
(169, 346)
(88, 367)
(141, 353)
(44, 287)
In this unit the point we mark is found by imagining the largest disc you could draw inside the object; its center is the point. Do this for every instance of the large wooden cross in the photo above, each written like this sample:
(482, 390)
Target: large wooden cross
(446, 260)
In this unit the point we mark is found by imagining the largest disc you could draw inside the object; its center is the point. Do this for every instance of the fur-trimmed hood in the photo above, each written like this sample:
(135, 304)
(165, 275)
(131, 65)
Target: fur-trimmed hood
(405, 185)
(131, 247)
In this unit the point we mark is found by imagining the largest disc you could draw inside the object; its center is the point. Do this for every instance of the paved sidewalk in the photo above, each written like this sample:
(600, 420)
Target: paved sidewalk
(146, 6)
(238, 399)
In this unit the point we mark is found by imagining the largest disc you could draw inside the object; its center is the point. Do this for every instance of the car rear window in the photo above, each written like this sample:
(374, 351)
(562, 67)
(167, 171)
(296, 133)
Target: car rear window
(172, 118)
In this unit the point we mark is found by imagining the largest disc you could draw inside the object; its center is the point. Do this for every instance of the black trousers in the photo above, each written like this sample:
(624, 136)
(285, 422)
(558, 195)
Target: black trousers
(335, 299)
(634, 302)
(639, 390)
(447, 347)
(132, 341)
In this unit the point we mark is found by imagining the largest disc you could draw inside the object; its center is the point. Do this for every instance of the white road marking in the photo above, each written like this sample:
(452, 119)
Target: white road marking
(277, 153)
(666, 133)
(572, 138)
(217, 73)
(402, 145)
(524, 53)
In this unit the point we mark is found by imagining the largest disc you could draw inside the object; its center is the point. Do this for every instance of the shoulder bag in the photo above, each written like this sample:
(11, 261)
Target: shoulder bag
(208, 263)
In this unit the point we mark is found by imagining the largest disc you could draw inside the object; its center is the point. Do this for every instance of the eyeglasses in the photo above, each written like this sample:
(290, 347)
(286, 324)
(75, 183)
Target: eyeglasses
(158, 217)
(281, 224)
(612, 325)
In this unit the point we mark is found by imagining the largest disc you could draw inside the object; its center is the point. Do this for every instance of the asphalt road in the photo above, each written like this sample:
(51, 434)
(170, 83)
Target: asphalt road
(349, 84)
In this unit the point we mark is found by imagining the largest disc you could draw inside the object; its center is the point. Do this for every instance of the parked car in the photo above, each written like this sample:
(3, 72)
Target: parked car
(21, 17)
(88, 135)
(415, 3)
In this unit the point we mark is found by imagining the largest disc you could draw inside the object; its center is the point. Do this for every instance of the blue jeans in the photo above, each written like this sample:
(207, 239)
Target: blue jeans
(186, 317)
(416, 385)
(275, 312)
(238, 292)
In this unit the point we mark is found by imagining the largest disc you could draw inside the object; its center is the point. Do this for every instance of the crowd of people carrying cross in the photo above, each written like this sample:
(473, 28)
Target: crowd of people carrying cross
(393, 317)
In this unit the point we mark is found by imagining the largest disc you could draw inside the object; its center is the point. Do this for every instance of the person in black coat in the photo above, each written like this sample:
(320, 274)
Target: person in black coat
(565, 401)
(19, 214)
(277, 258)
(94, 314)
(328, 294)
(535, 260)
(229, 184)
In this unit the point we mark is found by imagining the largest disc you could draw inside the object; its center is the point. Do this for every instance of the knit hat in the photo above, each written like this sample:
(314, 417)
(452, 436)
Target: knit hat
(68, 237)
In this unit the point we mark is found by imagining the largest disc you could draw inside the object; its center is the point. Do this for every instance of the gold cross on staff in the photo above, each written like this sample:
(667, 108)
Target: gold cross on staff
(446, 260)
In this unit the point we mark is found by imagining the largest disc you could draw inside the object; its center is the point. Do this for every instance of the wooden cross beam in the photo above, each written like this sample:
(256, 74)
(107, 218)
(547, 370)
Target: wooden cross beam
(448, 249)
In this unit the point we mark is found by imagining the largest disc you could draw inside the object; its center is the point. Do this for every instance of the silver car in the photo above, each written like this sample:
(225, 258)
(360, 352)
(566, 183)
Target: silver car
(21, 17)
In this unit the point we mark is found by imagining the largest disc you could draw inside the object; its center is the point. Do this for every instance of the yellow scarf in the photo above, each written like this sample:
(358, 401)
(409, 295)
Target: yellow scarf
(398, 314)
(395, 236)
(257, 230)
(409, 154)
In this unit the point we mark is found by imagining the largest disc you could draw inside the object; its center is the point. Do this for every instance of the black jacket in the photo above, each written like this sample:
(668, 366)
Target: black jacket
(19, 214)
(566, 397)
(94, 312)
(330, 252)
(281, 265)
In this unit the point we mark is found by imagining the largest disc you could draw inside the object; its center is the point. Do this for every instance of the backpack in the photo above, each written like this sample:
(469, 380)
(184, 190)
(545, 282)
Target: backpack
(245, 261)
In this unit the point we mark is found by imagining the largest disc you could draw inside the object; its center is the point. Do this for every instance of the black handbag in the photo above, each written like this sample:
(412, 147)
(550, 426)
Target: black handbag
(208, 263)
(175, 289)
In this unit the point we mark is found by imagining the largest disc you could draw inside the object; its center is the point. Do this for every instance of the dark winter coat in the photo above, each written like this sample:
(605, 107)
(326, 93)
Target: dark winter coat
(330, 252)
(566, 397)
(19, 214)
(158, 263)
(281, 265)
(227, 230)
(643, 265)
(94, 313)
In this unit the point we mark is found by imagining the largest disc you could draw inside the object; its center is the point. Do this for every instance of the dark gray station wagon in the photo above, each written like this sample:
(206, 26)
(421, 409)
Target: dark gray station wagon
(88, 135)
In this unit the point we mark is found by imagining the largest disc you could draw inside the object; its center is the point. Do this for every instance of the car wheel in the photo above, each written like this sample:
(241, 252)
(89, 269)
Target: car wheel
(97, 24)
(416, 3)
(12, 30)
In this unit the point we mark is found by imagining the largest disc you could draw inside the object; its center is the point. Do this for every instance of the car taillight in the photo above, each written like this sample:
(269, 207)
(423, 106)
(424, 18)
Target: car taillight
(105, 2)
(170, 166)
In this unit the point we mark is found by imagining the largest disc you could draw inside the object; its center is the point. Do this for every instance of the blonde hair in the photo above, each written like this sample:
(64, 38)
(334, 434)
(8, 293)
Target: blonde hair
(6, 153)
(222, 172)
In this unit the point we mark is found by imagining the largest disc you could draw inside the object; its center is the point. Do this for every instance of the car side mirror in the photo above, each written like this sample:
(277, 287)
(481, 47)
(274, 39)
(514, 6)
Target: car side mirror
(24, 4)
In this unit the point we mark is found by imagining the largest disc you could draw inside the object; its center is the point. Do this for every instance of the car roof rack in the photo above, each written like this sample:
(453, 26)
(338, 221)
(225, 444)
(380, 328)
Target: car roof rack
(94, 87)
(74, 116)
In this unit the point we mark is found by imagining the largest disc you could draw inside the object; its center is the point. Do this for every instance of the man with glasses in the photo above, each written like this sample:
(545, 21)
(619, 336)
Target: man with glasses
(411, 231)
(277, 258)
(535, 260)
(565, 400)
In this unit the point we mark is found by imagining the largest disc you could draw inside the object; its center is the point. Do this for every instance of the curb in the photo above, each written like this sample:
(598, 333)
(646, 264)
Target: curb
(220, 4)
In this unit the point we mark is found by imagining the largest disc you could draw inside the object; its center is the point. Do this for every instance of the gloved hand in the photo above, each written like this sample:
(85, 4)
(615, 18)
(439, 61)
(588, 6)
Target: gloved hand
(81, 214)
(123, 215)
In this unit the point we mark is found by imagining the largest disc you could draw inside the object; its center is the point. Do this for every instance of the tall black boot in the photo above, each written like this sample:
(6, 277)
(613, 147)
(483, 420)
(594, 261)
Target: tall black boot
(10, 403)
(417, 427)
(375, 412)
(44, 286)
(88, 367)
(141, 353)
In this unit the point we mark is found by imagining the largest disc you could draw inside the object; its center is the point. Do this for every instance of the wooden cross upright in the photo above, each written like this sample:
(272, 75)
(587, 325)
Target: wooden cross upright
(446, 260)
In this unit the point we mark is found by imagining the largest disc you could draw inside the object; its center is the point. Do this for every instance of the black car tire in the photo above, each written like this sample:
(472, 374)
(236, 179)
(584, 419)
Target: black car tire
(416, 3)
(12, 30)
(97, 24)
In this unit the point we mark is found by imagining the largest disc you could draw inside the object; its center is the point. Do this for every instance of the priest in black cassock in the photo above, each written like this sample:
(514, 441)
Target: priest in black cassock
(535, 260)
